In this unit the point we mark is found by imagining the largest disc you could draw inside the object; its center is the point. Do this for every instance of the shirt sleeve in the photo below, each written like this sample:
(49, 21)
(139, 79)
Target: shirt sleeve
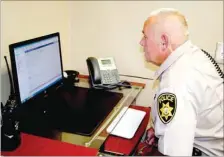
(174, 122)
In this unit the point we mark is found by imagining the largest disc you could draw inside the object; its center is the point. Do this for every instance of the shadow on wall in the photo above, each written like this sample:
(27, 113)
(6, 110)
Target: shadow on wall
(151, 66)
(5, 86)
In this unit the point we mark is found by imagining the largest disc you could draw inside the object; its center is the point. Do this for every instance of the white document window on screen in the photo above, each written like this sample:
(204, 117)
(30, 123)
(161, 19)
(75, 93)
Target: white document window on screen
(219, 54)
(126, 123)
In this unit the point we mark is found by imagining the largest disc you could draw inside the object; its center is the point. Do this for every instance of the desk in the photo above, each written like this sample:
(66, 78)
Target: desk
(100, 135)
(41, 127)
(39, 146)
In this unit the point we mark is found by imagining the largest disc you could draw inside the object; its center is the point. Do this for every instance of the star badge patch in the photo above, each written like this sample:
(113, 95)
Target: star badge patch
(166, 106)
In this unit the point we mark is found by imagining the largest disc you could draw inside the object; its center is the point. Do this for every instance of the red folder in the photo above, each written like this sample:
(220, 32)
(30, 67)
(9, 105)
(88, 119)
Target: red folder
(120, 146)
(39, 146)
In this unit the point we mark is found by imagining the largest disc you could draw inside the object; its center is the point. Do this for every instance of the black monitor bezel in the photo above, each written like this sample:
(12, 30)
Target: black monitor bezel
(14, 69)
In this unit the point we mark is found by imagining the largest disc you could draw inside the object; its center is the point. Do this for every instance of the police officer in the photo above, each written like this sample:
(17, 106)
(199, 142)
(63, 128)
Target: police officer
(187, 113)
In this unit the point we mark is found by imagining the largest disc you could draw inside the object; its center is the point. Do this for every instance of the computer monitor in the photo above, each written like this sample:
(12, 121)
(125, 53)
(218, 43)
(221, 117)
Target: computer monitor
(36, 66)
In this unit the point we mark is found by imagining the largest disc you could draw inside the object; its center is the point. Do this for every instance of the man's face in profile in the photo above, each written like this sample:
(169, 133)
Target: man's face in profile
(149, 44)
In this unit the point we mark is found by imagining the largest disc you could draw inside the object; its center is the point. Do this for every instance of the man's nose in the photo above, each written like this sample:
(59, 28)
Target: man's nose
(141, 42)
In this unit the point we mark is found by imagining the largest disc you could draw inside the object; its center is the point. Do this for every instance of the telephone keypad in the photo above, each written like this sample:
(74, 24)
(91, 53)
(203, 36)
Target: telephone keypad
(110, 76)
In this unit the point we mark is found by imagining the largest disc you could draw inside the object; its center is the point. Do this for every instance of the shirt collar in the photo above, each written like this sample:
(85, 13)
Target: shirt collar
(172, 58)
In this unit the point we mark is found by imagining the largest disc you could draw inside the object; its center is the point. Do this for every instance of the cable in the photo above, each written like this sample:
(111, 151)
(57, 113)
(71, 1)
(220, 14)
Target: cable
(124, 84)
(145, 78)
(218, 69)
(12, 90)
(105, 87)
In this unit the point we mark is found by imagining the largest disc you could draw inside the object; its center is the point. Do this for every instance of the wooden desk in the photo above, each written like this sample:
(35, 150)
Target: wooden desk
(43, 128)
(97, 139)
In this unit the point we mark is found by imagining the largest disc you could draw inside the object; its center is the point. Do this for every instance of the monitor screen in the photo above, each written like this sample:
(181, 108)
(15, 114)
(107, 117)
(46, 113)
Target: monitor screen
(36, 65)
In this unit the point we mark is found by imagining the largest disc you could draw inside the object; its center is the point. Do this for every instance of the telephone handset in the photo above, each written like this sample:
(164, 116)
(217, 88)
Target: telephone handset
(103, 72)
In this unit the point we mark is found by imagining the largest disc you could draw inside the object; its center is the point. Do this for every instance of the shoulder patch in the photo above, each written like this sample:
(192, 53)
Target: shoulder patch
(166, 107)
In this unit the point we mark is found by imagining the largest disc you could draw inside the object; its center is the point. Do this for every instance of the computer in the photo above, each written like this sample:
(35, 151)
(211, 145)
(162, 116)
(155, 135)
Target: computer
(36, 66)
(39, 85)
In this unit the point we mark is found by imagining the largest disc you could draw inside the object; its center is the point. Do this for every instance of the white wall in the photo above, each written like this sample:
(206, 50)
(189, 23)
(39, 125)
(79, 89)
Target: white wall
(22, 20)
(113, 28)
(103, 28)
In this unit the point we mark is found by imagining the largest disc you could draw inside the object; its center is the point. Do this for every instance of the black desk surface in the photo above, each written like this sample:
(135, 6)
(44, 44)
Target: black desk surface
(75, 110)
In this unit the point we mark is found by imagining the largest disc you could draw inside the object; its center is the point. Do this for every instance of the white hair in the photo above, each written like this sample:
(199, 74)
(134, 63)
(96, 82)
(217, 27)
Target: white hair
(172, 11)
(163, 11)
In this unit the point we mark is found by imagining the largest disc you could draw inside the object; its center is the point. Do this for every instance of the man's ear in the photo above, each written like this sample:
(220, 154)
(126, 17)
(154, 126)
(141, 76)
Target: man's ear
(164, 42)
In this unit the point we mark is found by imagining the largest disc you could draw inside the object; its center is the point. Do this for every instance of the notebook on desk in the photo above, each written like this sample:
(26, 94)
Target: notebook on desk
(126, 123)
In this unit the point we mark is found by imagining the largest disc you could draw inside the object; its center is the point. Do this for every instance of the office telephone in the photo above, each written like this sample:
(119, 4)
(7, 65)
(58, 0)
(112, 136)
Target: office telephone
(103, 73)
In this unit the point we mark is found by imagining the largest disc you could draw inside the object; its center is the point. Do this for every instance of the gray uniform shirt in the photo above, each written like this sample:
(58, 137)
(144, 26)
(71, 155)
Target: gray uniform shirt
(188, 107)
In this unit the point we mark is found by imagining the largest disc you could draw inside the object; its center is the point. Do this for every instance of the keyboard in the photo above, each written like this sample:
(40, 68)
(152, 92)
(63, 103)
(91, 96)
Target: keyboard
(126, 123)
